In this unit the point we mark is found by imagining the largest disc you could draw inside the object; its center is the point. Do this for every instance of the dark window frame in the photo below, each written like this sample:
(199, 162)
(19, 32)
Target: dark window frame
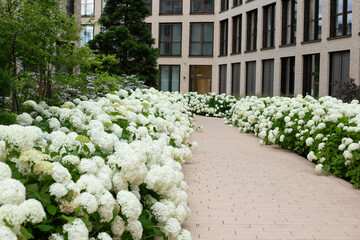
(224, 37)
(149, 4)
(224, 5)
(85, 3)
(316, 20)
(269, 29)
(171, 38)
(202, 11)
(286, 27)
(237, 3)
(237, 34)
(287, 85)
(222, 67)
(334, 15)
(309, 73)
(202, 42)
(236, 94)
(251, 36)
(70, 8)
(170, 75)
(172, 8)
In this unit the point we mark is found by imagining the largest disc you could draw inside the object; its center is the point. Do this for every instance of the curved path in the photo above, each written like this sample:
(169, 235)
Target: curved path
(241, 190)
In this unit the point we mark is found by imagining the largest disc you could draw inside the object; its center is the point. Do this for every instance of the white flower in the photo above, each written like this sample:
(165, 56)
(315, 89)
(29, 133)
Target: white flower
(88, 166)
(353, 147)
(11, 191)
(282, 137)
(321, 146)
(56, 236)
(76, 230)
(54, 124)
(135, 228)
(311, 156)
(5, 171)
(12, 214)
(24, 119)
(184, 235)
(60, 174)
(88, 201)
(58, 190)
(118, 226)
(33, 211)
(104, 236)
(172, 228)
(7, 234)
(309, 141)
(322, 159)
(347, 162)
(318, 168)
(347, 155)
(71, 159)
(129, 204)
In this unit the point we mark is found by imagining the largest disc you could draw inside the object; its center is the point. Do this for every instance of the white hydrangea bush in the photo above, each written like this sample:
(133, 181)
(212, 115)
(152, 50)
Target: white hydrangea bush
(108, 168)
(210, 105)
(325, 131)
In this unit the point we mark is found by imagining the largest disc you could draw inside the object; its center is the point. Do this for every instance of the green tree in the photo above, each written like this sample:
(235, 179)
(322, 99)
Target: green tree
(38, 35)
(125, 35)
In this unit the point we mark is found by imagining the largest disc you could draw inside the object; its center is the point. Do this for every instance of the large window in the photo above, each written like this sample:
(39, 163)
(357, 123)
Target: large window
(237, 28)
(224, 5)
(311, 75)
(70, 7)
(87, 34)
(289, 22)
(250, 78)
(341, 17)
(237, 3)
(170, 6)
(287, 76)
(202, 6)
(224, 37)
(201, 39)
(339, 71)
(235, 86)
(269, 26)
(170, 78)
(149, 4)
(251, 31)
(170, 39)
(87, 7)
(222, 78)
(313, 20)
(268, 78)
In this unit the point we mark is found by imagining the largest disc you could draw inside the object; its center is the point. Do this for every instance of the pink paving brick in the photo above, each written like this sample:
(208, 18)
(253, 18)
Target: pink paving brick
(241, 190)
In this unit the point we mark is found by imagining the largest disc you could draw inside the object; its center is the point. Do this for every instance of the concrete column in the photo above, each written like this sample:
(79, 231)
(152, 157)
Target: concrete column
(258, 85)
(324, 73)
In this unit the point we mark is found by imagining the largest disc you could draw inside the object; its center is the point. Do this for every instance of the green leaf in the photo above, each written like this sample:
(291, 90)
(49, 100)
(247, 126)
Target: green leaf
(77, 210)
(53, 154)
(45, 228)
(51, 209)
(67, 218)
(26, 233)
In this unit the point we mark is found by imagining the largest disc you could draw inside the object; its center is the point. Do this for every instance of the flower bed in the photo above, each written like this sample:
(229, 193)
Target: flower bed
(210, 104)
(326, 131)
(104, 169)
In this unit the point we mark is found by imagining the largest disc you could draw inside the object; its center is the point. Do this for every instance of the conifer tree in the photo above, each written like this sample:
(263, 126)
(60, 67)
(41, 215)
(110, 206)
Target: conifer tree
(124, 34)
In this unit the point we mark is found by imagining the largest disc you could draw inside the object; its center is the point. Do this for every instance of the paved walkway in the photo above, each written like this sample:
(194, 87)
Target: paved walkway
(239, 189)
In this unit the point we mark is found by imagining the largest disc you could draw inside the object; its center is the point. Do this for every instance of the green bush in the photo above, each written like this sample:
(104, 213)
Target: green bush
(7, 118)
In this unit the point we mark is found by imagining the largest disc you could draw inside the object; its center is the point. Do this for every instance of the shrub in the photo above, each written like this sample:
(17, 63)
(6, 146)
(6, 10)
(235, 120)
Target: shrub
(7, 118)
(350, 91)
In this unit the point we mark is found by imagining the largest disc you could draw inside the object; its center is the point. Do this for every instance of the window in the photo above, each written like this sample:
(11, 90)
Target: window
(200, 78)
(313, 16)
(202, 6)
(170, 6)
(289, 22)
(222, 78)
(170, 78)
(148, 26)
(269, 26)
(87, 34)
(170, 39)
(70, 7)
(237, 3)
(224, 5)
(341, 17)
(224, 37)
(287, 76)
(250, 78)
(235, 86)
(311, 75)
(251, 30)
(268, 78)
(339, 71)
(87, 7)
(201, 39)
(149, 4)
(237, 28)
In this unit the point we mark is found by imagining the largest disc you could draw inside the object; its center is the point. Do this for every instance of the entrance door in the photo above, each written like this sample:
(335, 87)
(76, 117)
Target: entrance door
(200, 78)
(340, 67)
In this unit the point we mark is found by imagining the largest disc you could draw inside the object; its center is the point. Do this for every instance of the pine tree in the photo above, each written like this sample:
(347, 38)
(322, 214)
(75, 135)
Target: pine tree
(124, 34)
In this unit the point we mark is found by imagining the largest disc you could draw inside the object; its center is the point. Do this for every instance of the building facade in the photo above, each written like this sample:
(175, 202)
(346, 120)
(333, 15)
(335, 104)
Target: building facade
(253, 47)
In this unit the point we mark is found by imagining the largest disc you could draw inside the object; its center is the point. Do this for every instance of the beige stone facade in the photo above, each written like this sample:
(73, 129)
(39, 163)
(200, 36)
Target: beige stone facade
(325, 46)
